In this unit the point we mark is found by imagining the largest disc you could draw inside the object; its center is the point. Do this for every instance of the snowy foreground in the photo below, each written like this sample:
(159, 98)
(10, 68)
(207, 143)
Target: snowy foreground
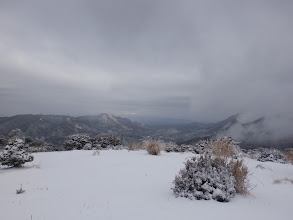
(130, 185)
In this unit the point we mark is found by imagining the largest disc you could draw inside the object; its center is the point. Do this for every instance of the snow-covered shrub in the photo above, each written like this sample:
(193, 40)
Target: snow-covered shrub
(87, 146)
(76, 141)
(172, 147)
(240, 173)
(201, 147)
(153, 147)
(29, 144)
(225, 147)
(14, 155)
(17, 142)
(85, 142)
(105, 140)
(205, 178)
(272, 155)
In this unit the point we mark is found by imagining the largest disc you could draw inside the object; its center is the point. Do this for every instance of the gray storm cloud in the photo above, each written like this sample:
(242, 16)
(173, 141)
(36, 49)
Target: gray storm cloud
(201, 60)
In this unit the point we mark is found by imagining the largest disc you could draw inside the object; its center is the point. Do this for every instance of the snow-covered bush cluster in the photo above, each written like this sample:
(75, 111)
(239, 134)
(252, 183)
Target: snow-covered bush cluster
(272, 155)
(14, 154)
(85, 142)
(106, 140)
(223, 147)
(33, 145)
(205, 178)
(267, 154)
(172, 147)
(30, 144)
(199, 148)
(77, 142)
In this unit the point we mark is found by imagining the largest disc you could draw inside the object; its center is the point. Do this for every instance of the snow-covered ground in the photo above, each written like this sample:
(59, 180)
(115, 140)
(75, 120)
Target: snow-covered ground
(130, 185)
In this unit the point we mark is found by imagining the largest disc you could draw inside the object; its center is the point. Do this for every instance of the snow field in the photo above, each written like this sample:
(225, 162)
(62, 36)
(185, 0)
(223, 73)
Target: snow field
(130, 185)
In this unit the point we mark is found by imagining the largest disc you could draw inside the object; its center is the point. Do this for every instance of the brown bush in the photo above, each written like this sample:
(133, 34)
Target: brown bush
(289, 156)
(153, 148)
(225, 147)
(240, 173)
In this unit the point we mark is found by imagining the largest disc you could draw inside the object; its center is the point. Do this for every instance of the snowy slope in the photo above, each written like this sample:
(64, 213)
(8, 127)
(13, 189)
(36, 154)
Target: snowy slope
(130, 185)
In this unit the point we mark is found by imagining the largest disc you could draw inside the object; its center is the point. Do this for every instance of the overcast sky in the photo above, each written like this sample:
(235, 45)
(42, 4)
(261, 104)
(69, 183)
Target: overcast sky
(191, 59)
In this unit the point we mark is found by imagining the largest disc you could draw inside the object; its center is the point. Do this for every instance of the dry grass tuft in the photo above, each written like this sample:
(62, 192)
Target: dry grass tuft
(284, 180)
(260, 167)
(289, 156)
(137, 147)
(225, 147)
(240, 173)
(153, 147)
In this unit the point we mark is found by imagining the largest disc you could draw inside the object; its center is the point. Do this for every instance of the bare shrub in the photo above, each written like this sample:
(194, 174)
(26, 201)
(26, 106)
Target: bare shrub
(225, 147)
(96, 153)
(240, 173)
(284, 180)
(20, 190)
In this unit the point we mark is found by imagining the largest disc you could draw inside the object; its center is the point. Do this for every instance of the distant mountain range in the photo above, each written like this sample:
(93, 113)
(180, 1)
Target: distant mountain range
(54, 128)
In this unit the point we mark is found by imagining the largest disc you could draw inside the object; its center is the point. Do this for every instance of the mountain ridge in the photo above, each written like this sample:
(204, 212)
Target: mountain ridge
(54, 129)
